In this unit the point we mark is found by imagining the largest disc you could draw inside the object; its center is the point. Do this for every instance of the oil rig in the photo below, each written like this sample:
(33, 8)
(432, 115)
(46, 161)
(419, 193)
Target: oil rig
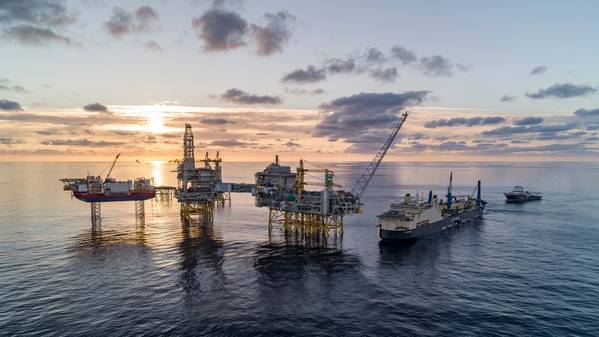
(200, 189)
(95, 190)
(294, 207)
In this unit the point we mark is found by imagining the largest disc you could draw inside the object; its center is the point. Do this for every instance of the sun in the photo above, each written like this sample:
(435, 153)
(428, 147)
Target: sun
(155, 123)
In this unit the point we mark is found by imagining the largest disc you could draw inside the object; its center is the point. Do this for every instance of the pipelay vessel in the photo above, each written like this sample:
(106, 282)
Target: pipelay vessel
(94, 189)
(414, 217)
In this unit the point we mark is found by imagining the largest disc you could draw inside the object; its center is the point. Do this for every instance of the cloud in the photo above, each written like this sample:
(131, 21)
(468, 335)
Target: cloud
(292, 144)
(404, 55)
(6, 85)
(270, 39)
(6, 105)
(563, 90)
(81, 142)
(215, 121)
(36, 36)
(385, 75)
(220, 29)
(153, 45)
(587, 112)
(529, 121)
(435, 66)
(309, 75)
(507, 98)
(95, 107)
(241, 97)
(231, 142)
(146, 17)
(510, 130)
(11, 141)
(538, 70)
(354, 117)
(374, 56)
(300, 91)
(50, 13)
(123, 22)
(461, 121)
(340, 66)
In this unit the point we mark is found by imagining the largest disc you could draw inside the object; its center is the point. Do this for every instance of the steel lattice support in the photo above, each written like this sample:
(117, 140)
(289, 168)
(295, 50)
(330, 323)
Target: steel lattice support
(203, 209)
(223, 199)
(96, 214)
(140, 212)
(305, 222)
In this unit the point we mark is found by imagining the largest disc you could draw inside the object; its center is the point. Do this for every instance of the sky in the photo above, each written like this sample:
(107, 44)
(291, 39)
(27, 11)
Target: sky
(324, 80)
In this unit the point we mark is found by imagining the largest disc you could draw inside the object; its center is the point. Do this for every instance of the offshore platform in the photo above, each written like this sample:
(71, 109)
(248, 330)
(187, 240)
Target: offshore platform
(201, 188)
(294, 207)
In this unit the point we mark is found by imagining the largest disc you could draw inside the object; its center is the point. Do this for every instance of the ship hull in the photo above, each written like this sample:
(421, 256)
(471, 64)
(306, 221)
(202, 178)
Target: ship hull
(516, 200)
(113, 197)
(465, 218)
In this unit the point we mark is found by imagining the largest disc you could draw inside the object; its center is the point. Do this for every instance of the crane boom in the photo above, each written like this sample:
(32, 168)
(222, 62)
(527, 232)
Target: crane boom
(363, 181)
(112, 166)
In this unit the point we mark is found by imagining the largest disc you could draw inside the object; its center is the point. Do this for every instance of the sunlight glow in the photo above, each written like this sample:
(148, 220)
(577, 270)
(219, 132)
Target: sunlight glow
(155, 123)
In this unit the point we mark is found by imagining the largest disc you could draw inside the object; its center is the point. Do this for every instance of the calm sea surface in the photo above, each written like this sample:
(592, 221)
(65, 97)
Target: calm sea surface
(529, 269)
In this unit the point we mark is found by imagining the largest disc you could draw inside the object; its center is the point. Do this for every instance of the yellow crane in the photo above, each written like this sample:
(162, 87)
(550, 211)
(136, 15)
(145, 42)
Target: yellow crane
(112, 166)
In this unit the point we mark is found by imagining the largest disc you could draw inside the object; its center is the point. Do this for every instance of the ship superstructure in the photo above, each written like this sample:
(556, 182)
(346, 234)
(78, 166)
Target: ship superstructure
(520, 195)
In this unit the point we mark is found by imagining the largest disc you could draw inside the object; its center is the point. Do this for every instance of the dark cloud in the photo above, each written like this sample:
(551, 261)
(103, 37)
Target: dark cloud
(270, 39)
(146, 17)
(292, 144)
(36, 36)
(220, 29)
(123, 22)
(436, 66)
(95, 107)
(242, 97)
(120, 22)
(461, 121)
(6, 105)
(587, 112)
(563, 90)
(357, 116)
(231, 142)
(309, 75)
(529, 121)
(11, 141)
(538, 70)
(215, 121)
(49, 13)
(374, 56)
(511, 130)
(81, 142)
(507, 98)
(404, 55)
(560, 135)
(300, 91)
(340, 66)
(385, 75)
(6, 85)
(153, 45)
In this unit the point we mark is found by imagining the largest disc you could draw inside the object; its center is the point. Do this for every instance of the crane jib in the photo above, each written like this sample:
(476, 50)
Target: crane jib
(363, 181)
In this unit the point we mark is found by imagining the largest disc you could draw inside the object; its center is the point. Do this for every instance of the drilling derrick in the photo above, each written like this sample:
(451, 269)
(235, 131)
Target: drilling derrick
(196, 185)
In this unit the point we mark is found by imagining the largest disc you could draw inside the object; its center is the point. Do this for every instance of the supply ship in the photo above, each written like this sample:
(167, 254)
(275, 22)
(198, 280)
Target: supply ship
(96, 189)
(520, 195)
(415, 217)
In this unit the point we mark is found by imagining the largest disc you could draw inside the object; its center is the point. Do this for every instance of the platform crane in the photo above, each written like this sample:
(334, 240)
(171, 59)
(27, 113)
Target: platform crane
(362, 183)
(112, 166)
